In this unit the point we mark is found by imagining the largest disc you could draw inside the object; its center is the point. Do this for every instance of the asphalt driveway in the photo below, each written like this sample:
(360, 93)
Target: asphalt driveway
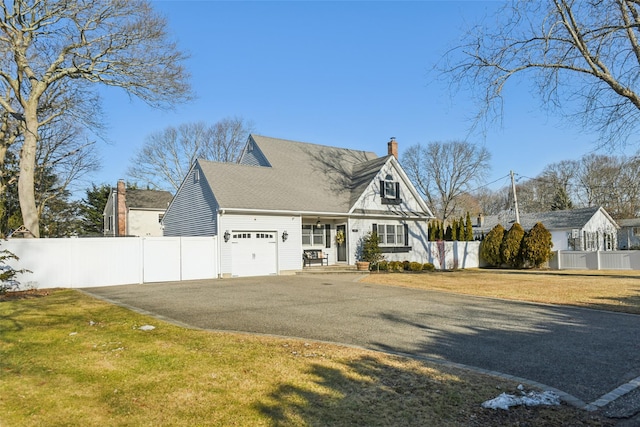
(586, 354)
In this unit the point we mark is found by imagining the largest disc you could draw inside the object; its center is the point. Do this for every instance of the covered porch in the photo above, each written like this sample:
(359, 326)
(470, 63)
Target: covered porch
(325, 241)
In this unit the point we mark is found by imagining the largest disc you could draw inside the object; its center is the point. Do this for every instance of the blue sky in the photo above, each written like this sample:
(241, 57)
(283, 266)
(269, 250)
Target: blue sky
(348, 74)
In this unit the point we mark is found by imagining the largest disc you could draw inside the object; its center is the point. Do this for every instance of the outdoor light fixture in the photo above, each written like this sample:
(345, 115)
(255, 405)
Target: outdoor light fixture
(227, 236)
(285, 235)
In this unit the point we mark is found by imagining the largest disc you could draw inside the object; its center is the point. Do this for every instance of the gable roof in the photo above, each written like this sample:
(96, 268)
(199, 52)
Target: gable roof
(552, 220)
(300, 177)
(148, 199)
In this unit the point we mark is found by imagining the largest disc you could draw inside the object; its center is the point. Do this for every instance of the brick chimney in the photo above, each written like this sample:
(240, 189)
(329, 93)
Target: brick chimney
(121, 208)
(392, 147)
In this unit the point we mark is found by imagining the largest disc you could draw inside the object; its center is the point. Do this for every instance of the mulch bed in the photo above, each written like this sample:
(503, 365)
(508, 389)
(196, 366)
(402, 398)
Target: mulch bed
(29, 294)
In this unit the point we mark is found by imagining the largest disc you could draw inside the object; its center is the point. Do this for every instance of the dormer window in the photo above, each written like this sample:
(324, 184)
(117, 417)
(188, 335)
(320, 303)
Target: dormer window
(390, 191)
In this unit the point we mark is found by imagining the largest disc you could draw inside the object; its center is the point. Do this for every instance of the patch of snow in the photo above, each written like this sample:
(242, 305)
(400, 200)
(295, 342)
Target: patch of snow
(532, 398)
(147, 328)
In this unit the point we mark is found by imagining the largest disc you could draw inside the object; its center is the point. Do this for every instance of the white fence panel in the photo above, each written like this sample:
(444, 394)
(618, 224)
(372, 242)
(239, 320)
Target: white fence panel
(103, 262)
(450, 255)
(80, 263)
(199, 257)
(161, 259)
(597, 260)
(615, 260)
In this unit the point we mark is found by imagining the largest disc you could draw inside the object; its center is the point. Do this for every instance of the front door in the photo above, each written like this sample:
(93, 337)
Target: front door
(342, 247)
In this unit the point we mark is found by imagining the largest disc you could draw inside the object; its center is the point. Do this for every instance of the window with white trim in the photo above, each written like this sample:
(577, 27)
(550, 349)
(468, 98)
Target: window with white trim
(390, 191)
(313, 235)
(391, 235)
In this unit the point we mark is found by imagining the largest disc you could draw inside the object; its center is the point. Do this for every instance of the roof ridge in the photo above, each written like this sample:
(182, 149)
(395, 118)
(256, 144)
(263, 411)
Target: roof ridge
(315, 144)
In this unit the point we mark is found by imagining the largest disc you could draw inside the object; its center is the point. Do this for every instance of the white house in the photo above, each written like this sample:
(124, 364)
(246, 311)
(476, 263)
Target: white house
(585, 229)
(132, 212)
(285, 200)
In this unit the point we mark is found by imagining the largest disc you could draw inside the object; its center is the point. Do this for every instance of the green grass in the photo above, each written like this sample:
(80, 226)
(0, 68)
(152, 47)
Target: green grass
(70, 360)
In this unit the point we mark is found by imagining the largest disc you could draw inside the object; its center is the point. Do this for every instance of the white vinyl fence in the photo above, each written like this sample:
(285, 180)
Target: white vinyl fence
(89, 262)
(596, 260)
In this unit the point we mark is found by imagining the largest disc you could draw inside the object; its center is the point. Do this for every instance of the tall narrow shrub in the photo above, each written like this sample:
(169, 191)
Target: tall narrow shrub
(510, 247)
(468, 228)
(490, 246)
(536, 246)
(454, 230)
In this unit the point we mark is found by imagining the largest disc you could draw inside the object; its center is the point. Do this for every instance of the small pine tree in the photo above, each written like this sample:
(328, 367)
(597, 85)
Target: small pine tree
(461, 231)
(454, 230)
(510, 246)
(468, 228)
(370, 250)
(490, 246)
(536, 246)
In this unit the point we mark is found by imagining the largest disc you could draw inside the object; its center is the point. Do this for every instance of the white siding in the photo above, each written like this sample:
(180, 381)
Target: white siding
(289, 252)
(193, 211)
(371, 201)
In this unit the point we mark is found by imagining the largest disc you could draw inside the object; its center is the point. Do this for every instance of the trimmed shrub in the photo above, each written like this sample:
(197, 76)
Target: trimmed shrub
(427, 266)
(490, 246)
(510, 246)
(394, 266)
(415, 266)
(383, 266)
(406, 265)
(536, 246)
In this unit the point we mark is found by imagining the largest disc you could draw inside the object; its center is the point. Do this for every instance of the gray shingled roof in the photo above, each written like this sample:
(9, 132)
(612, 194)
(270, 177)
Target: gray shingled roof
(148, 199)
(629, 222)
(302, 177)
(552, 220)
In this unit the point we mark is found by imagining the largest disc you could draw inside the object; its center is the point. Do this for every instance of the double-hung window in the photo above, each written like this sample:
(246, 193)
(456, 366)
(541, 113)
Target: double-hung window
(313, 235)
(391, 235)
(390, 191)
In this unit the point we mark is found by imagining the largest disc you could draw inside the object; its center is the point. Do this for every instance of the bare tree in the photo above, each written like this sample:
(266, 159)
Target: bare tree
(611, 182)
(166, 156)
(120, 43)
(445, 171)
(580, 55)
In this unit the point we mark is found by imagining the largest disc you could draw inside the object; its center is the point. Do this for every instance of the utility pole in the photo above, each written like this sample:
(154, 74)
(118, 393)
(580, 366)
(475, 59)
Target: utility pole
(515, 198)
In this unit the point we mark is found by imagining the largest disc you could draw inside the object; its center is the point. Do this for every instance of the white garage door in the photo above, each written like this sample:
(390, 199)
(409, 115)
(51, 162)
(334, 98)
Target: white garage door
(253, 253)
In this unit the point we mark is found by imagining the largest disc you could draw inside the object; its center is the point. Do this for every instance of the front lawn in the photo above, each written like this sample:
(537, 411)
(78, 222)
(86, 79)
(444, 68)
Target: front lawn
(603, 290)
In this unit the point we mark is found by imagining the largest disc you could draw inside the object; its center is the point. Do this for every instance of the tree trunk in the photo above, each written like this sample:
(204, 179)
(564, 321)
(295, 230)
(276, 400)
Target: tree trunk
(26, 183)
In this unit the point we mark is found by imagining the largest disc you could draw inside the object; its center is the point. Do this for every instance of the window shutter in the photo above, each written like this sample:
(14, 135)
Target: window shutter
(397, 190)
(375, 228)
(327, 231)
(406, 234)
(382, 189)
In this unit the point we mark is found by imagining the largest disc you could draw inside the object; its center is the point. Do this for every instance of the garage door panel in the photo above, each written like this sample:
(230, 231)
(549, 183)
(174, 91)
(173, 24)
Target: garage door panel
(253, 253)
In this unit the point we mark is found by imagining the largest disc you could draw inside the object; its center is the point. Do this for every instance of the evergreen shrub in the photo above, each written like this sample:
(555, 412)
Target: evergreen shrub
(415, 266)
(427, 266)
(490, 246)
(510, 246)
(536, 246)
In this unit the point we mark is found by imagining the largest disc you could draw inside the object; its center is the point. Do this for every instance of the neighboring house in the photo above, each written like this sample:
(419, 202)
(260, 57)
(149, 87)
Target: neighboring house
(286, 197)
(586, 229)
(629, 233)
(130, 212)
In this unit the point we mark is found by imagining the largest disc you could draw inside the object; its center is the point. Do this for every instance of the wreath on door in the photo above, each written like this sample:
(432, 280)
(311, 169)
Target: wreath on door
(340, 237)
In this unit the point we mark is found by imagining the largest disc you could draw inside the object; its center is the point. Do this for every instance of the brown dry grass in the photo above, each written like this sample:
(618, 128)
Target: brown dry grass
(602, 290)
